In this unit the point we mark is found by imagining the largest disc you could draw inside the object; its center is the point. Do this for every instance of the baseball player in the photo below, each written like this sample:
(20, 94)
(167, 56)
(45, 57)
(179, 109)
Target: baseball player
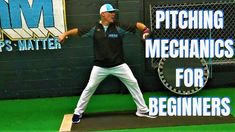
(107, 38)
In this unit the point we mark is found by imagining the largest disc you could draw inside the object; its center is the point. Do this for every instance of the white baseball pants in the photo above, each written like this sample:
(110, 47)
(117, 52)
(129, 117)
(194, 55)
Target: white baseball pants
(124, 73)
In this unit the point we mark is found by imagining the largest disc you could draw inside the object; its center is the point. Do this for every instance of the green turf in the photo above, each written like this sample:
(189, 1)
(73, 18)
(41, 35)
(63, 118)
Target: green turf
(46, 114)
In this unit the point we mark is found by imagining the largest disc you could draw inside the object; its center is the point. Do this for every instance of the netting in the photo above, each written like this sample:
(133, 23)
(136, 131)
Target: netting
(227, 32)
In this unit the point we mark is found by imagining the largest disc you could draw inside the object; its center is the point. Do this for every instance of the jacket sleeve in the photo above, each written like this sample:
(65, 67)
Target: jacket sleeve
(126, 28)
(86, 31)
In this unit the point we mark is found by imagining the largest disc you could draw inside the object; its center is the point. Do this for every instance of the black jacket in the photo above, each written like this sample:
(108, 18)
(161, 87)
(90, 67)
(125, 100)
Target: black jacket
(108, 46)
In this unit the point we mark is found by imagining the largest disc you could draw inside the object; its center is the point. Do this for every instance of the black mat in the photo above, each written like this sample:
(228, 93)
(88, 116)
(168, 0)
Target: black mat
(127, 120)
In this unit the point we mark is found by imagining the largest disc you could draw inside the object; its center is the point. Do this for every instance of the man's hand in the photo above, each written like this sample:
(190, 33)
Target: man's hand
(145, 35)
(62, 37)
(65, 35)
(146, 32)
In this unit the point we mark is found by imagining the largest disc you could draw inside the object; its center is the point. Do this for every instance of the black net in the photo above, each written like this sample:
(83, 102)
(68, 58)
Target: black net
(226, 33)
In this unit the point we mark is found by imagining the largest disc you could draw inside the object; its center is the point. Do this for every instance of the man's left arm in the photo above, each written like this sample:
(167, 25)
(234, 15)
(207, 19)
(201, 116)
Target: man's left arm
(140, 26)
(131, 28)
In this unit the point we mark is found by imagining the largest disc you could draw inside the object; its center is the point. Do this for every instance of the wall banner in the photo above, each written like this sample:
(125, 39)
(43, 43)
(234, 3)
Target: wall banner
(27, 25)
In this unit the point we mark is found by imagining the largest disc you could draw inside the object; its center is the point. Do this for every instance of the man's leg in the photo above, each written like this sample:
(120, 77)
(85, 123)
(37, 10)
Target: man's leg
(124, 73)
(97, 75)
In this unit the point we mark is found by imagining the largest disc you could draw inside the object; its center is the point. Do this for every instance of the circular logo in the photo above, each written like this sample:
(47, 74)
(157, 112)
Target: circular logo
(167, 73)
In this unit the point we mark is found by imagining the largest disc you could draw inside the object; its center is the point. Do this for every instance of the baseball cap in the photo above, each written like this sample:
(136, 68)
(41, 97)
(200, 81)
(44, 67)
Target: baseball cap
(107, 8)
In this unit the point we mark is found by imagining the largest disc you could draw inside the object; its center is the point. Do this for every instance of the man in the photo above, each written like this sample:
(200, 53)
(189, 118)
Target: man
(109, 58)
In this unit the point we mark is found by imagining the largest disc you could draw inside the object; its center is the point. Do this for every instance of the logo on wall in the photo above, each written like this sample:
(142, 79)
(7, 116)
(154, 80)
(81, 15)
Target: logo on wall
(31, 24)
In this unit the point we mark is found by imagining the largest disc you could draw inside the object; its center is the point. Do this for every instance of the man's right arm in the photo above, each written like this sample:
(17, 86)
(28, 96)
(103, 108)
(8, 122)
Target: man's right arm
(65, 35)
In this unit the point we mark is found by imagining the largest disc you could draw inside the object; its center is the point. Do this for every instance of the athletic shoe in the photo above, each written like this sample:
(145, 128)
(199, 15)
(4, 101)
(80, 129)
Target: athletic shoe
(145, 115)
(76, 118)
